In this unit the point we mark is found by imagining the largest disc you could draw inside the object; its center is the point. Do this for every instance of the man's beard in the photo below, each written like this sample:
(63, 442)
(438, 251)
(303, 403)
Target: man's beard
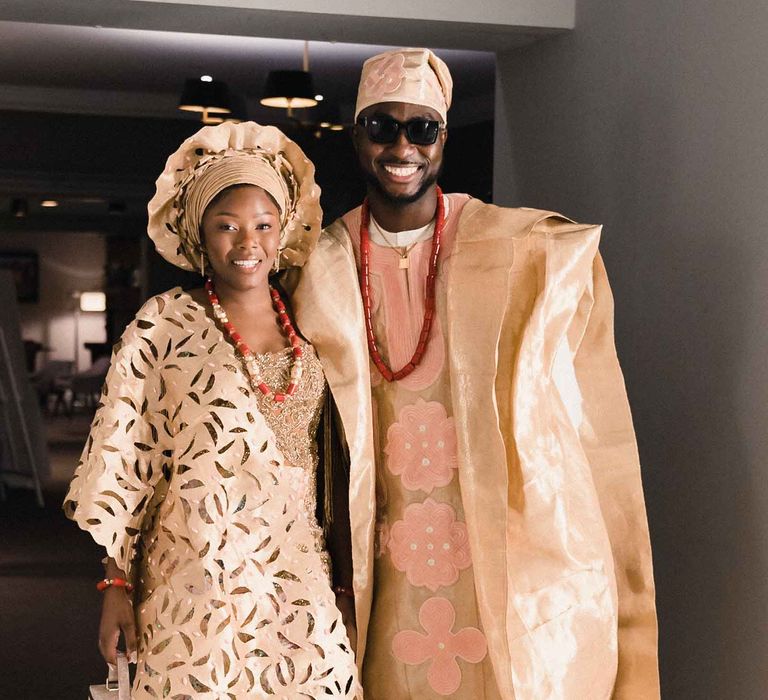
(402, 200)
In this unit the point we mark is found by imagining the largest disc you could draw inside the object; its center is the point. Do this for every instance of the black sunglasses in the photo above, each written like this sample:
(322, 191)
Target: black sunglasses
(420, 132)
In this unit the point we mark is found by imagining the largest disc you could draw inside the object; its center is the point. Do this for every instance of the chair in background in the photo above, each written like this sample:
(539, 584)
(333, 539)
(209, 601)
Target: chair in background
(87, 385)
(51, 383)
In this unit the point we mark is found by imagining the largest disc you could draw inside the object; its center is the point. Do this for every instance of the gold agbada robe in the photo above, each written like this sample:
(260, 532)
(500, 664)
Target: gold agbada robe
(548, 463)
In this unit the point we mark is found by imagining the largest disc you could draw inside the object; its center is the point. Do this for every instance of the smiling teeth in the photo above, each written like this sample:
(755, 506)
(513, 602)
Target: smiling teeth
(246, 263)
(401, 170)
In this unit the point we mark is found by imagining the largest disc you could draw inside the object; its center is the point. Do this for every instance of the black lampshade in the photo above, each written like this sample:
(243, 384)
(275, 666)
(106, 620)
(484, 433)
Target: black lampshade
(289, 89)
(239, 108)
(19, 208)
(201, 96)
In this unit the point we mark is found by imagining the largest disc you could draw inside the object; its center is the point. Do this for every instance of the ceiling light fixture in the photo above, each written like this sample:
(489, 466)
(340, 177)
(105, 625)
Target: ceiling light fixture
(207, 96)
(49, 203)
(290, 89)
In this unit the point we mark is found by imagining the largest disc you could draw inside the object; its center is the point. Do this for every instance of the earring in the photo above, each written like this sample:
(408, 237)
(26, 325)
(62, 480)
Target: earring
(202, 263)
(276, 261)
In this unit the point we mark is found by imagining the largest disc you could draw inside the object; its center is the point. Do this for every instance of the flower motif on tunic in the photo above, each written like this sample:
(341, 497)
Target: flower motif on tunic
(430, 545)
(385, 77)
(421, 446)
(440, 645)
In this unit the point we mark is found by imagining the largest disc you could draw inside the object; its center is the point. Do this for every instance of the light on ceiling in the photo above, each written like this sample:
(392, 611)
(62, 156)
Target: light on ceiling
(319, 98)
(205, 96)
(290, 89)
(49, 203)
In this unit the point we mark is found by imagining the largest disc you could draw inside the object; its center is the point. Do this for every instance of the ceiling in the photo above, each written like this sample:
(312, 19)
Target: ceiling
(139, 72)
(107, 59)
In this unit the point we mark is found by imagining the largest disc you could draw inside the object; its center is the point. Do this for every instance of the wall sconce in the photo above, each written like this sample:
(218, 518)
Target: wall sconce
(290, 89)
(207, 96)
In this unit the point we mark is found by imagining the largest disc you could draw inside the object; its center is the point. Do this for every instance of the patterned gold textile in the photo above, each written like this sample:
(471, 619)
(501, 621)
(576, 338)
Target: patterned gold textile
(423, 573)
(193, 472)
(546, 456)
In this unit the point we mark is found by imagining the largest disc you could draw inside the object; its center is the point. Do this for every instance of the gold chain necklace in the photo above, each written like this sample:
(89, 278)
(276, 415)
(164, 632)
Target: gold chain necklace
(403, 251)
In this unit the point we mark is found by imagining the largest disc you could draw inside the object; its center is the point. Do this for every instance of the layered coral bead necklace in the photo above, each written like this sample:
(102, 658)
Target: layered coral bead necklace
(429, 300)
(249, 358)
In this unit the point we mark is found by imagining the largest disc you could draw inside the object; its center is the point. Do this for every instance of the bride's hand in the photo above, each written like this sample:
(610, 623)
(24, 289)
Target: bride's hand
(116, 617)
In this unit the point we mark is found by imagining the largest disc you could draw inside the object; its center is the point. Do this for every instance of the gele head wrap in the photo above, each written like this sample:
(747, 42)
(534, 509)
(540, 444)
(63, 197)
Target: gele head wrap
(415, 76)
(217, 157)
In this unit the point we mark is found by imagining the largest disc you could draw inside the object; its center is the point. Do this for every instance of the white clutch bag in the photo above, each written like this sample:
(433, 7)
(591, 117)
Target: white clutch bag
(118, 685)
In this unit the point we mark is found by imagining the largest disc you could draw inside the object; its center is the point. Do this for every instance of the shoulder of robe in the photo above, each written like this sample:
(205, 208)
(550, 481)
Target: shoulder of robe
(335, 234)
(484, 222)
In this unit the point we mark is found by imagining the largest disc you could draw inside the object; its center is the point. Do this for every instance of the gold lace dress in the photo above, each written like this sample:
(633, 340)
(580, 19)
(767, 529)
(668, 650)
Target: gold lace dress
(205, 495)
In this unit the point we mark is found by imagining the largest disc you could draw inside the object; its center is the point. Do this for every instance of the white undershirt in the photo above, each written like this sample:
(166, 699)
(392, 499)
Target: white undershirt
(402, 239)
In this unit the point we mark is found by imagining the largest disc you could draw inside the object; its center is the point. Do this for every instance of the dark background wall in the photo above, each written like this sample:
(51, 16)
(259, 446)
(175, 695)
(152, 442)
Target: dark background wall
(651, 118)
(120, 158)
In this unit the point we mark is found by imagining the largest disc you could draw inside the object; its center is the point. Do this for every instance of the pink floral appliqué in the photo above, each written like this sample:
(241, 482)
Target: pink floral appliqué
(437, 616)
(385, 77)
(430, 545)
(421, 446)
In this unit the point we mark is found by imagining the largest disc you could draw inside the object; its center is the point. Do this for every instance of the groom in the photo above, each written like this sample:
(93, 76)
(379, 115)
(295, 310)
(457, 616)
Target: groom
(498, 531)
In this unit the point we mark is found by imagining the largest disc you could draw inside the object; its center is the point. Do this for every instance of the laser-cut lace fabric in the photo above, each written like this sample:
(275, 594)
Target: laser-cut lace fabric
(209, 508)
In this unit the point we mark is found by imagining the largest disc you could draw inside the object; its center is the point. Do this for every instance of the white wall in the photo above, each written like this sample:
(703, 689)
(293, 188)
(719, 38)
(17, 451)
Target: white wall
(69, 262)
(545, 13)
(652, 117)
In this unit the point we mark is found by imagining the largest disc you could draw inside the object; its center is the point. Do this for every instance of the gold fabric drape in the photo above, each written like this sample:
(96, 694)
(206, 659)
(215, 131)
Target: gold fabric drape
(548, 464)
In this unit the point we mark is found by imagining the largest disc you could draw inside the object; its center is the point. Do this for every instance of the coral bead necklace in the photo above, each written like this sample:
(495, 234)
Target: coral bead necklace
(249, 359)
(429, 300)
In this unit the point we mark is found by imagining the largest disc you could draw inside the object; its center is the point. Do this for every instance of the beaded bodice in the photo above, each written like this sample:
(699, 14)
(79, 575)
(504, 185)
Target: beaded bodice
(294, 422)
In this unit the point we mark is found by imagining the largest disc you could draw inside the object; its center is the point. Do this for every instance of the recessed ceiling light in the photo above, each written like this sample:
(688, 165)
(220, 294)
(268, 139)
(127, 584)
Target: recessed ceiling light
(319, 98)
(325, 125)
(49, 203)
(337, 127)
(206, 78)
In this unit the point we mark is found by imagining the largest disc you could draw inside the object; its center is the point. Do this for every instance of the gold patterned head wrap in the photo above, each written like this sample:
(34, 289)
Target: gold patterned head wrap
(415, 76)
(217, 157)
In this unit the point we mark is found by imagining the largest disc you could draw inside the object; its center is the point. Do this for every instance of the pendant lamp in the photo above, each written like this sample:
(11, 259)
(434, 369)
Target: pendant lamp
(207, 96)
(290, 89)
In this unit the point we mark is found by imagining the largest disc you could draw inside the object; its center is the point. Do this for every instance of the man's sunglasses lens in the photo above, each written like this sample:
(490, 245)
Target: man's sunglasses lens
(422, 132)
